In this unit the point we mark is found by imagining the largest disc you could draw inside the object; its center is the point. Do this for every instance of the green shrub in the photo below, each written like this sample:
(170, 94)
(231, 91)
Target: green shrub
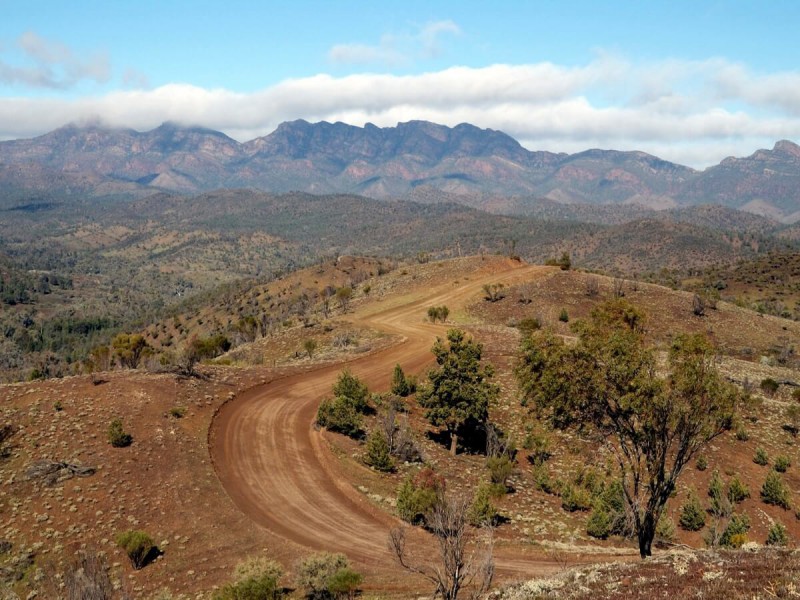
(702, 463)
(401, 385)
(599, 524)
(776, 536)
(538, 443)
(741, 433)
(665, 528)
(544, 483)
(735, 533)
(138, 545)
(378, 455)
(340, 415)
(769, 386)
(344, 583)
(117, 436)
(782, 463)
(482, 511)
(261, 587)
(737, 491)
(177, 412)
(353, 389)
(761, 457)
(500, 469)
(575, 498)
(418, 495)
(774, 491)
(528, 325)
(320, 572)
(563, 316)
(693, 517)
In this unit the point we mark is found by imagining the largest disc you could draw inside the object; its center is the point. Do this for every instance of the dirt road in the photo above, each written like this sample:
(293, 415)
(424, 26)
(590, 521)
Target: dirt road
(277, 468)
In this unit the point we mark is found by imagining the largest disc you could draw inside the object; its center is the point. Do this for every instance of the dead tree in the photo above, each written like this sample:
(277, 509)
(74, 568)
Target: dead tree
(463, 561)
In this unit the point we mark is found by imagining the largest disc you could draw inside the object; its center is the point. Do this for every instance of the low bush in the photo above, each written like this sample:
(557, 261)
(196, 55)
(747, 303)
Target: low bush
(117, 436)
(761, 457)
(782, 463)
(735, 534)
(599, 524)
(139, 547)
(482, 511)
(737, 491)
(377, 453)
(777, 536)
(774, 491)
(769, 386)
(693, 516)
(326, 575)
(418, 495)
(339, 414)
(575, 498)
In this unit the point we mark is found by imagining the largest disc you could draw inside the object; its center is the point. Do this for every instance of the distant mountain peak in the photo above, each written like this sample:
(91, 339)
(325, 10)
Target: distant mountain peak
(787, 147)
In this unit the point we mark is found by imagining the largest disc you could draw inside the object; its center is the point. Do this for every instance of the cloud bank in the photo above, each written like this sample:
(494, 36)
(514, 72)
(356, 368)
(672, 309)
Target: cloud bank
(694, 113)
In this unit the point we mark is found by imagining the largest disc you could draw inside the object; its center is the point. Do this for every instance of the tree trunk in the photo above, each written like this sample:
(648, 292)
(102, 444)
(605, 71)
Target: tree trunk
(453, 443)
(647, 532)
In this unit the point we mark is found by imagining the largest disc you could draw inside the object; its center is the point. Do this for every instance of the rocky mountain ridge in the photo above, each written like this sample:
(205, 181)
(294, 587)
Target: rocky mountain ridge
(388, 162)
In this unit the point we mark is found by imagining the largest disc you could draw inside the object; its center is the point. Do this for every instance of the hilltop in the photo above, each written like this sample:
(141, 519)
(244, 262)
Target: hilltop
(196, 481)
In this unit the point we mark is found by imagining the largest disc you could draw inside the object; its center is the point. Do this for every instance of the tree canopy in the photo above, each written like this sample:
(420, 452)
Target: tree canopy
(606, 385)
(459, 389)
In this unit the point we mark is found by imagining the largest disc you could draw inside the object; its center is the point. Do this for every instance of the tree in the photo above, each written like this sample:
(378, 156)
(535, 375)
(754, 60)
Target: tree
(606, 386)
(351, 387)
(459, 390)
(378, 455)
(130, 348)
(343, 295)
(400, 386)
(461, 559)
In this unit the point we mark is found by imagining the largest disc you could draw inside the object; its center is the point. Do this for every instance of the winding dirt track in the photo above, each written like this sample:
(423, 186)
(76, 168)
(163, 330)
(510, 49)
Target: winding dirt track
(278, 470)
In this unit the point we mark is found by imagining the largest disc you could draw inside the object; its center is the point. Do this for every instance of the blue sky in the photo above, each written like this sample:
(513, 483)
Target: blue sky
(689, 81)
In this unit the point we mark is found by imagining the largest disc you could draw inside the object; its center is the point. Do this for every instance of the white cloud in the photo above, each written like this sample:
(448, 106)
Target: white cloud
(695, 113)
(396, 49)
(51, 64)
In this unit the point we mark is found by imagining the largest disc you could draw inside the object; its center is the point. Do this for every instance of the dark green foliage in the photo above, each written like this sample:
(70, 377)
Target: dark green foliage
(782, 463)
(339, 414)
(693, 517)
(327, 575)
(777, 536)
(138, 545)
(775, 491)
(702, 463)
(737, 491)
(401, 385)
(377, 453)
(607, 385)
(418, 495)
(741, 433)
(459, 389)
(563, 316)
(565, 262)
(500, 469)
(538, 443)
(575, 498)
(769, 386)
(344, 583)
(209, 347)
(353, 389)
(117, 436)
(735, 533)
(761, 457)
(599, 523)
(482, 511)
(528, 325)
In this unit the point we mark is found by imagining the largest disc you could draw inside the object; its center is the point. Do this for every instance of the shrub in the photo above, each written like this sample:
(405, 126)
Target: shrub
(702, 463)
(340, 415)
(539, 446)
(761, 457)
(735, 533)
(177, 412)
(319, 572)
(139, 547)
(693, 517)
(528, 325)
(599, 523)
(500, 469)
(741, 433)
(782, 463)
(400, 383)
(665, 528)
(353, 389)
(482, 511)
(575, 498)
(418, 495)
(737, 491)
(344, 583)
(377, 455)
(769, 386)
(774, 491)
(776, 536)
(563, 316)
(117, 436)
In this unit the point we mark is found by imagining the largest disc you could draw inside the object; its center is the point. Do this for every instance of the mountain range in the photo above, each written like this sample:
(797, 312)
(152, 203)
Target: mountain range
(413, 160)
